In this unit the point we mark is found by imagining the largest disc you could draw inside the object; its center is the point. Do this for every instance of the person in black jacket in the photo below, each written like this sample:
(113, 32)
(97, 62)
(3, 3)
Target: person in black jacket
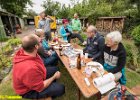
(115, 56)
(95, 44)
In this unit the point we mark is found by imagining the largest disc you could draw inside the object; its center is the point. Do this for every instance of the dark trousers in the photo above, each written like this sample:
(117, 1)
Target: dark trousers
(54, 90)
(51, 60)
(75, 35)
(48, 36)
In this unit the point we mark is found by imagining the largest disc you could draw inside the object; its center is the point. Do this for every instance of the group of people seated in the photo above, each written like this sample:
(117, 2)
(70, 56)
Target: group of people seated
(35, 71)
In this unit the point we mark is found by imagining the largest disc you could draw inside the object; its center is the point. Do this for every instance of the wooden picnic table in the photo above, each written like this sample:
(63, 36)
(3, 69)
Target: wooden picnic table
(78, 76)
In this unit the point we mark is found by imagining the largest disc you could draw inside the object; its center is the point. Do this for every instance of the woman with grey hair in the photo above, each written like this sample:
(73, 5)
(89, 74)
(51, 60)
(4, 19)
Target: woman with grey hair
(115, 56)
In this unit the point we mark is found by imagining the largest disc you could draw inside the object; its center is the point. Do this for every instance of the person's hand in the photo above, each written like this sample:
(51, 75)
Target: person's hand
(68, 34)
(52, 48)
(57, 75)
(49, 53)
(48, 16)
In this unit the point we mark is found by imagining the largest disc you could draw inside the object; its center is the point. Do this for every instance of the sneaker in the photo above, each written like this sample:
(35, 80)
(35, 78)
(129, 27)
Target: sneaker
(84, 43)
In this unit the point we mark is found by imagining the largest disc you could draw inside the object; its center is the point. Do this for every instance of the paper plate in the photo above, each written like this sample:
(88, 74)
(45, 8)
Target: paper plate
(56, 47)
(95, 66)
(78, 50)
(66, 45)
(53, 44)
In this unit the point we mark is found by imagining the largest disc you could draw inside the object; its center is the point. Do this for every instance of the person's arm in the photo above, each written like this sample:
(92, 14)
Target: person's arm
(43, 53)
(47, 82)
(80, 26)
(101, 43)
(39, 25)
(62, 32)
(33, 79)
(70, 29)
(72, 24)
(50, 19)
(120, 64)
(85, 49)
(45, 44)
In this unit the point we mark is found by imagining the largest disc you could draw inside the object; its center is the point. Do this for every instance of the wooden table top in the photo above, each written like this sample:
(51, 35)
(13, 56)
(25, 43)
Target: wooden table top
(78, 76)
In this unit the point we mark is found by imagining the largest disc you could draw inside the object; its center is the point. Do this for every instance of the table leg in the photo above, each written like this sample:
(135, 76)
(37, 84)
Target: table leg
(79, 94)
(99, 96)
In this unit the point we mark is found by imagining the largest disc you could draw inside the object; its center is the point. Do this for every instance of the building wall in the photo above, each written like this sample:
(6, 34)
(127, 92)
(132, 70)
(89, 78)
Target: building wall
(2, 31)
(22, 23)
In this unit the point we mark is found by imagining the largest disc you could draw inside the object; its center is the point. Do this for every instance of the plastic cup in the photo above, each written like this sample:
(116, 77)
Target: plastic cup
(86, 55)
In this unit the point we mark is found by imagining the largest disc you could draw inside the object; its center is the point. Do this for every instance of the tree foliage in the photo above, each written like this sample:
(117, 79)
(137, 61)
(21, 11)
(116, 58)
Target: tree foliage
(31, 13)
(64, 12)
(51, 7)
(136, 35)
(16, 7)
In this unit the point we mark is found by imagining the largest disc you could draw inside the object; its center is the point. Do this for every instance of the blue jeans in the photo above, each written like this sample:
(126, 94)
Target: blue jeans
(54, 90)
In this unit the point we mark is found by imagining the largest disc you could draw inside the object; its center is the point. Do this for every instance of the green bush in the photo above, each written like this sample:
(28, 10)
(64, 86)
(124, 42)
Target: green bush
(7, 49)
(133, 57)
(14, 42)
(136, 35)
(129, 54)
(84, 36)
(5, 61)
(3, 39)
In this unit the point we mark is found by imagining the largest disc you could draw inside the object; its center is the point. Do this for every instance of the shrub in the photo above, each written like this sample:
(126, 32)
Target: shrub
(129, 54)
(7, 49)
(3, 39)
(4, 61)
(136, 35)
(14, 42)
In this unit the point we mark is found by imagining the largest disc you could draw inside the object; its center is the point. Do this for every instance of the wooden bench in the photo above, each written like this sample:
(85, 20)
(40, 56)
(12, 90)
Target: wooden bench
(48, 98)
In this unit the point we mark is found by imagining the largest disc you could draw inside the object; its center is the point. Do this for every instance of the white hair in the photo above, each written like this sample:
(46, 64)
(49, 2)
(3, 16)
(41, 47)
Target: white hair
(39, 30)
(92, 28)
(115, 36)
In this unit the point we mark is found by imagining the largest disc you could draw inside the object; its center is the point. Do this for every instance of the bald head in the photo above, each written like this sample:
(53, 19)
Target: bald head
(29, 42)
(76, 15)
(91, 31)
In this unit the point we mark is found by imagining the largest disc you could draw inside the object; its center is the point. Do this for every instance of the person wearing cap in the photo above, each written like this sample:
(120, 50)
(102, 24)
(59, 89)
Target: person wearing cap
(67, 33)
(76, 24)
(95, 44)
(44, 24)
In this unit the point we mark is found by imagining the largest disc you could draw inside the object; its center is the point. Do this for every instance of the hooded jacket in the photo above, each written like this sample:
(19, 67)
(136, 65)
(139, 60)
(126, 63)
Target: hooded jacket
(28, 73)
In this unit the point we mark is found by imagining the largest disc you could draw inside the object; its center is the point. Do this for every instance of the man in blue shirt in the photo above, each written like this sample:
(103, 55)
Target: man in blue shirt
(95, 44)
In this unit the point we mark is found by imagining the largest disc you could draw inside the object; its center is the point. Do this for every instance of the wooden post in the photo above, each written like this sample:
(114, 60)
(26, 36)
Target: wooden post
(111, 29)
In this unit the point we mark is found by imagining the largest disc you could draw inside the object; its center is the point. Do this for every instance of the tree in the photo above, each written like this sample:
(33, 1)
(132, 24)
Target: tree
(136, 3)
(31, 13)
(64, 12)
(16, 7)
(51, 7)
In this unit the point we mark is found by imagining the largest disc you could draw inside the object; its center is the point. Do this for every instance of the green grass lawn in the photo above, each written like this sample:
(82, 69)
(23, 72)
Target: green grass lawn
(70, 86)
